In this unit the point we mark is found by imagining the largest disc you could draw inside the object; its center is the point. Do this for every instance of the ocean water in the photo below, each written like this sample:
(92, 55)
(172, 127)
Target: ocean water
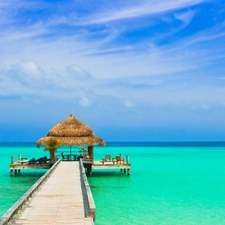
(170, 183)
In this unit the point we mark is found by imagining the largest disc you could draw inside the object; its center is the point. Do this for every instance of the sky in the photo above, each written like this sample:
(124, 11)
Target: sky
(133, 70)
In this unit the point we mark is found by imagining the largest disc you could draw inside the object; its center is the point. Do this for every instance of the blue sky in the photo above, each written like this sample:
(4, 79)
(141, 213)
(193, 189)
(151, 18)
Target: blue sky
(140, 70)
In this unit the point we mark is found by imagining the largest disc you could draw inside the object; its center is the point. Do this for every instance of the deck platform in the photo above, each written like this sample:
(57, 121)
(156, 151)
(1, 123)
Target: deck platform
(30, 165)
(16, 167)
(91, 165)
(59, 201)
(108, 165)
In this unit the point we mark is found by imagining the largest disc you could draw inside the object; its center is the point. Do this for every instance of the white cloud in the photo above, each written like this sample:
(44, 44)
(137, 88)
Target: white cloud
(26, 72)
(24, 33)
(185, 17)
(139, 10)
(29, 68)
(129, 104)
(84, 101)
(77, 72)
(57, 61)
(118, 11)
(123, 56)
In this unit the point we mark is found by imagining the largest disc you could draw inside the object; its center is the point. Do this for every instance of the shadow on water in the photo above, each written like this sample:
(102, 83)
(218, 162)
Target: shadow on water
(25, 174)
(25, 179)
(14, 185)
(95, 187)
(106, 180)
(108, 173)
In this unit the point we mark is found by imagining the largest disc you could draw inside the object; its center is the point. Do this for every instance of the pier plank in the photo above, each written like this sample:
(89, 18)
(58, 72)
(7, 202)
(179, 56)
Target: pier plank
(59, 200)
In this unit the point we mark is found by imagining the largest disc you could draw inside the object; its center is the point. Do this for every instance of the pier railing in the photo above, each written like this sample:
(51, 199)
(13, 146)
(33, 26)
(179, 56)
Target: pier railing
(87, 161)
(91, 210)
(13, 211)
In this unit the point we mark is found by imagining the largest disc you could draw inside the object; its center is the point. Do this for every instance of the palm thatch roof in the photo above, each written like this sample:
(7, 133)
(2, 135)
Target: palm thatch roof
(71, 132)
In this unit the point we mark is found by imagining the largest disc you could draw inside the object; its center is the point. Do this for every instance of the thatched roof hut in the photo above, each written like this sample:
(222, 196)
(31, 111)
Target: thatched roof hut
(71, 132)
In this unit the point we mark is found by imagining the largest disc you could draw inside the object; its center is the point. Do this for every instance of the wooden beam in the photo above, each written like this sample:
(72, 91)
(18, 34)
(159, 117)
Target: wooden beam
(91, 152)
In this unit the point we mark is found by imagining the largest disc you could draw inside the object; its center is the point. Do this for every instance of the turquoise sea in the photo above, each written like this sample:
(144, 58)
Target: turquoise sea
(170, 183)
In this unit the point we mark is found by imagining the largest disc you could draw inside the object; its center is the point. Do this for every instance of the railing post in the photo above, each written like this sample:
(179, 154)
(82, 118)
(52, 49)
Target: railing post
(12, 159)
(121, 157)
(19, 157)
(8, 216)
(127, 159)
(87, 192)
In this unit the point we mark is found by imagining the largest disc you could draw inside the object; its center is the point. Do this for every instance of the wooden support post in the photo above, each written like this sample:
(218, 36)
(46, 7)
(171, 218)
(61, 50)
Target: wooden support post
(127, 159)
(121, 157)
(128, 172)
(91, 152)
(12, 159)
(89, 171)
(19, 157)
(11, 172)
(124, 170)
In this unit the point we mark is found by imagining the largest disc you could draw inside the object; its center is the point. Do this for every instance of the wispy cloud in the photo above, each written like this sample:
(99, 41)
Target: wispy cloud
(143, 8)
(185, 17)
(84, 101)
(129, 104)
(111, 57)
(36, 30)
(77, 72)
(26, 72)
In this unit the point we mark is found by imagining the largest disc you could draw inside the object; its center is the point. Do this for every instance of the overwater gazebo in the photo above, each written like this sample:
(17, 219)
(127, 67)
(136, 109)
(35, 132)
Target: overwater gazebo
(72, 132)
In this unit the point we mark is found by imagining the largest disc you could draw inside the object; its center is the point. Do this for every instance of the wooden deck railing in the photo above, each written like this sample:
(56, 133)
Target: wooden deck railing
(8, 216)
(91, 211)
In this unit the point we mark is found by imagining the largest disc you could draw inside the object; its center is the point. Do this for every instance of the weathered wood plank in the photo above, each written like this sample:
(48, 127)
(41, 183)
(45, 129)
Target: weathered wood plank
(59, 200)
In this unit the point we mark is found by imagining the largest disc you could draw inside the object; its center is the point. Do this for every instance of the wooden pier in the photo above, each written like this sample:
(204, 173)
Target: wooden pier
(108, 163)
(64, 198)
(62, 195)
(24, 164)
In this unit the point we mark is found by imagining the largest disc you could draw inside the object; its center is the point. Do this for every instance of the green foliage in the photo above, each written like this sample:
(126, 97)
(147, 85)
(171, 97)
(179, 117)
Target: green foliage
(83, 150)
(52, 145)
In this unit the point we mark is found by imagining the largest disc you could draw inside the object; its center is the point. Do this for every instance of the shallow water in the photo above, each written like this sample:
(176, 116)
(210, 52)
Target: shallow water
(12, 188)
(168, 185)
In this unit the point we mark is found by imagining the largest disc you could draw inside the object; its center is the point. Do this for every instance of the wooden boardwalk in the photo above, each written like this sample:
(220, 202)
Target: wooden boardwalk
(59, 201)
